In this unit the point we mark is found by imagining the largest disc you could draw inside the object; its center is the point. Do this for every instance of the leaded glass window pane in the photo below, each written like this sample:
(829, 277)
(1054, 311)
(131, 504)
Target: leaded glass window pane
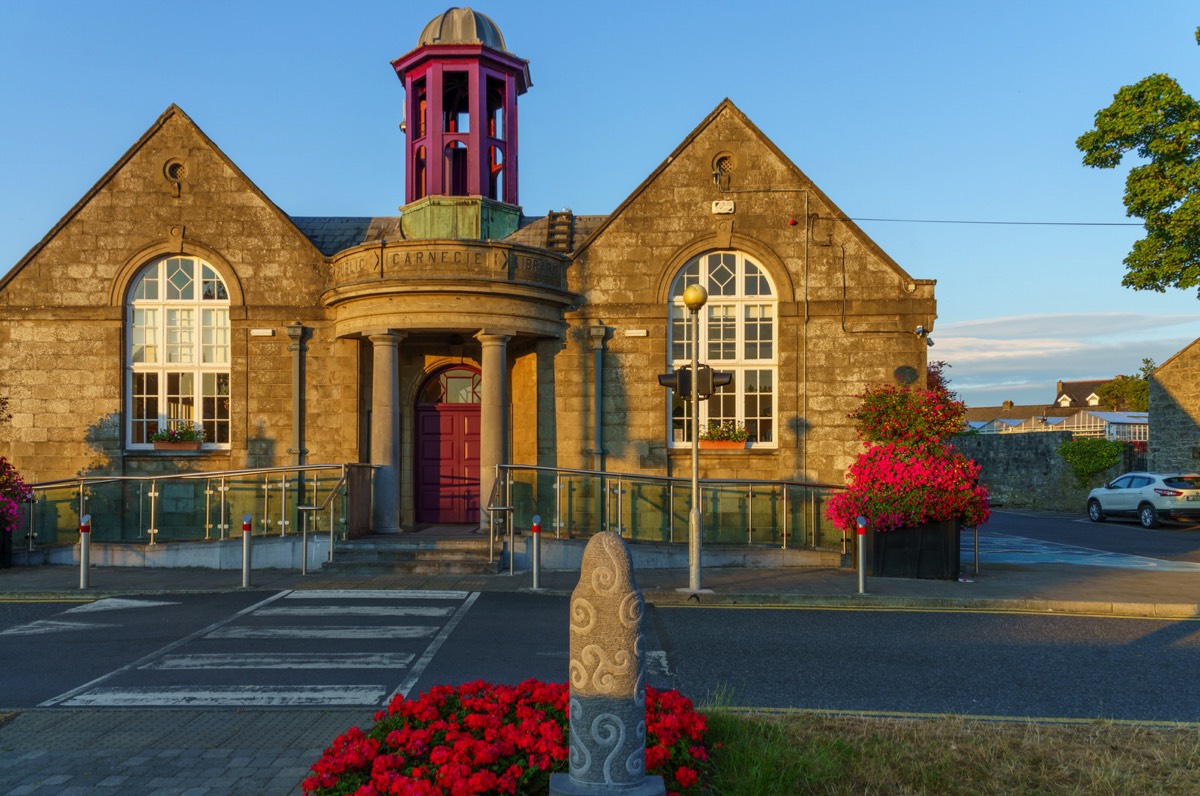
(722, 331)
(214, 347)
(143, 335)
(215, 398)
(180, 348)
(180, 279)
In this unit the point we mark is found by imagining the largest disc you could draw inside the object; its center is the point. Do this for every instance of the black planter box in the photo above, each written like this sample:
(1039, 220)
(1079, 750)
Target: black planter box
(923, 551)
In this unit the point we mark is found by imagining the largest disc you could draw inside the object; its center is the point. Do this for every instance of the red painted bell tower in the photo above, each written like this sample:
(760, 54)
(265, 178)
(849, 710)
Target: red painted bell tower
(461, 87)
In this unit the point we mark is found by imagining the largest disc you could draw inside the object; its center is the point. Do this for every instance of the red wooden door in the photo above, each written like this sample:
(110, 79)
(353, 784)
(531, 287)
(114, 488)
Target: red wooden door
(447, 466)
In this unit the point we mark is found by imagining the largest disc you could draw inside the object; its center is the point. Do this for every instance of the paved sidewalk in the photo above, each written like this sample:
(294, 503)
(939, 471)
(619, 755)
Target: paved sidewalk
(267, 752)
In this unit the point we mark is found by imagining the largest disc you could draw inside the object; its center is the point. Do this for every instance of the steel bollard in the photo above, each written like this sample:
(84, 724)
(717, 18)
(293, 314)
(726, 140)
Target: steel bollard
(536, 543)
(246, 551)
(862, 555)
(85, 549)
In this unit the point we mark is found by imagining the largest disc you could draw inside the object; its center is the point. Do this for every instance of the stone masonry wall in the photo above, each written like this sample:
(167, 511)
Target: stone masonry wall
(62, 346)
(846, 312)
(1175, 413)
(1025, 471)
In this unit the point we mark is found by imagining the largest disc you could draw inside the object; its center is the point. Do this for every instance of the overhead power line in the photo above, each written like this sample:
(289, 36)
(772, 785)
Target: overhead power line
(1004, 223)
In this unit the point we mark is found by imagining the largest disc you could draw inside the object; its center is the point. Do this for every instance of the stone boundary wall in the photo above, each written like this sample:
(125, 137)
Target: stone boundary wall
(1025, 471)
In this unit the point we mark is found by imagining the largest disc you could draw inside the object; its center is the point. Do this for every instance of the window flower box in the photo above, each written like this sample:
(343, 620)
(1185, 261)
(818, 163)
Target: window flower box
(723, 444)
(182, 445)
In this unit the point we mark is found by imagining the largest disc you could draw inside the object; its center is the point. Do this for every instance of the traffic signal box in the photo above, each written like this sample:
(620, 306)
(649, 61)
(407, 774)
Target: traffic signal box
(707, 381)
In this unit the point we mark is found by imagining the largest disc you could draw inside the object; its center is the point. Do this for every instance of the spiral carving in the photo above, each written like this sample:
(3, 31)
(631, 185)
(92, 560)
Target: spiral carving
(579, 758)
(630, 612)
(609, 731)
(607, 669)
(583, 616)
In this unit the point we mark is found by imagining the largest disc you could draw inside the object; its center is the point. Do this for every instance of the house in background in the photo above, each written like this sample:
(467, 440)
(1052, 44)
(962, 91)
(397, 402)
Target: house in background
(1175, 413)
(1074, 394)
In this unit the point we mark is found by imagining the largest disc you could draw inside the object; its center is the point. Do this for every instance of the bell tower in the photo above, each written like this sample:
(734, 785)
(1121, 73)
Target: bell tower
(460, 131)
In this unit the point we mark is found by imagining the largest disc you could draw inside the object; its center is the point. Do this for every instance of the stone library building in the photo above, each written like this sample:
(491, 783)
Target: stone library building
(462, 332)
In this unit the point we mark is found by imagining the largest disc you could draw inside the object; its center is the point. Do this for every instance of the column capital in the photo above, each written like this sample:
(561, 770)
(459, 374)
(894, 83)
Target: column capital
(495, 335)
(384, 336)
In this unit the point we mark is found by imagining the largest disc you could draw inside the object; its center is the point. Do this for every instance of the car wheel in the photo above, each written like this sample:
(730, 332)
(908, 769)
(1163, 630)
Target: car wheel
(1094, 512)
(1148, 516)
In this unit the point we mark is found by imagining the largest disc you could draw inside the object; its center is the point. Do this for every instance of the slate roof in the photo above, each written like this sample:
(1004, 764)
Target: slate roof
(1012, 412)
(534, 230)
(1079, 390)
(332, 234)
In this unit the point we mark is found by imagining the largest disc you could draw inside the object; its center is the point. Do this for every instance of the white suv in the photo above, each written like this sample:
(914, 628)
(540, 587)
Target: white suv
(1147, 496)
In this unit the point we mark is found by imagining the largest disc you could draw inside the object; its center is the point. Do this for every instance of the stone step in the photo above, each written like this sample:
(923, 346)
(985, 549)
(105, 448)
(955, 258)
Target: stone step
(413, 556)
(411, 567)
(426, 554)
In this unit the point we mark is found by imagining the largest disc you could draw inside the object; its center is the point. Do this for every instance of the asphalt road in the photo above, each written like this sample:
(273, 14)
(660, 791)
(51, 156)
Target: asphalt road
(295, 650)
(1171, 542)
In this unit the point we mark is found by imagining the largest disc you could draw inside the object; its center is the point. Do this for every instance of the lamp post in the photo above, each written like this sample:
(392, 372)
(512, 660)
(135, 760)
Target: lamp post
(694, 298)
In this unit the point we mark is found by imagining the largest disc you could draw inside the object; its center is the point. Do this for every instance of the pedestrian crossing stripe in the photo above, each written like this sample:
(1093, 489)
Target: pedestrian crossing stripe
(235, 695)
(324, 631)
(376, 594)
(357, 610)
(284, 660)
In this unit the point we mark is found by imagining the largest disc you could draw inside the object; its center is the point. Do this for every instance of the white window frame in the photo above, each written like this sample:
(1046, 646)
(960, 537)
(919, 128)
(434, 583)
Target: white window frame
(707, 269)
(200, 351)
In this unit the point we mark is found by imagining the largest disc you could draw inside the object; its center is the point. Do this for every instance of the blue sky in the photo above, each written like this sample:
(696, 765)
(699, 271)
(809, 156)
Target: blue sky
(918, 110)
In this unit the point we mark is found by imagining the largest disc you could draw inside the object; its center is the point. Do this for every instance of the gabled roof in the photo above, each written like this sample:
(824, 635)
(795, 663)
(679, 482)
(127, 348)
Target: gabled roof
(1079, 391)
(1192, 346)
(1012, 411)
(171, 111)
(726, 106)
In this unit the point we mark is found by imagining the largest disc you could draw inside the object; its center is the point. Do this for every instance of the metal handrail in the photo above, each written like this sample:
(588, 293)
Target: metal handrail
(670, 479)
(501, 501)
(313, 509)
(88, 480)
(86, 485)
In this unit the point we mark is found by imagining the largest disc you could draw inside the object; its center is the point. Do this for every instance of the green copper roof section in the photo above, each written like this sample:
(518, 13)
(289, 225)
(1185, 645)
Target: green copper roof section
(459, 218)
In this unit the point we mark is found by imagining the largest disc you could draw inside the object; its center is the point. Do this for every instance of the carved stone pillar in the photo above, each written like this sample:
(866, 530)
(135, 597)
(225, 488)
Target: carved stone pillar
(493, 414)
(607, 676)
(385, 432)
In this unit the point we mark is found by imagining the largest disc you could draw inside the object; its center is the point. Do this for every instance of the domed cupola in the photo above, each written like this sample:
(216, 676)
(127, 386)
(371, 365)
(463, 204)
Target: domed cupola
(461, 88)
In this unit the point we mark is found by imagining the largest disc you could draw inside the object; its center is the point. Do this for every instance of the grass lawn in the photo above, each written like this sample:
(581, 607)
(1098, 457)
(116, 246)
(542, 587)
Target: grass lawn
(796, 755)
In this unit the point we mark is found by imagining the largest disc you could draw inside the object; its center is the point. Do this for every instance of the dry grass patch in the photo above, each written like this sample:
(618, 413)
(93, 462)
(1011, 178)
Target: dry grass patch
(832, 756)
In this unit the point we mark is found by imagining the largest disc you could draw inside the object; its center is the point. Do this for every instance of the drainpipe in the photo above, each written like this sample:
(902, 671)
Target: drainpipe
(297, 333)
(598, 452)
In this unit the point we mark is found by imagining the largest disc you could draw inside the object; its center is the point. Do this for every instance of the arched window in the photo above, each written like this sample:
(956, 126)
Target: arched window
(457, 385)
(177, 364)
(739, 334)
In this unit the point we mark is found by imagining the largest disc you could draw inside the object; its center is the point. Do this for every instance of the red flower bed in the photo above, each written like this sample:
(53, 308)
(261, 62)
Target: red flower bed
(481, 738)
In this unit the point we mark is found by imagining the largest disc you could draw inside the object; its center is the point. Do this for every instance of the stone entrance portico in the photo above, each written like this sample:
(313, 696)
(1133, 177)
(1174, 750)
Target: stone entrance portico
(416, 302)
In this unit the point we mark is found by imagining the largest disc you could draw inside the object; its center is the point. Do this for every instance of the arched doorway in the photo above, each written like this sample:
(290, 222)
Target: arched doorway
(447, 447)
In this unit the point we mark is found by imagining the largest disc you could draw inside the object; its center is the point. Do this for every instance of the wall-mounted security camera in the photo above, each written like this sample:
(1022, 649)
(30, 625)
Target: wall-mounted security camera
(921, 331)
(929, 341)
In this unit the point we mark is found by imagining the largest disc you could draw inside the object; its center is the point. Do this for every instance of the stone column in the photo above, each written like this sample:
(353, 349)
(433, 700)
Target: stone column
(493, 413)
(385, 432)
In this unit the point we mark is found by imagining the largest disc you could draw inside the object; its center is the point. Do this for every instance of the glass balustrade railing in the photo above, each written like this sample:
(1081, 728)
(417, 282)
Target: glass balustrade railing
(188, 506)
(574, 504)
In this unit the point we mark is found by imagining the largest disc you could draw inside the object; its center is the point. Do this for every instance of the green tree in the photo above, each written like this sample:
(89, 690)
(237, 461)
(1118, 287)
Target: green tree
(1159, 121)
(1126, 394)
